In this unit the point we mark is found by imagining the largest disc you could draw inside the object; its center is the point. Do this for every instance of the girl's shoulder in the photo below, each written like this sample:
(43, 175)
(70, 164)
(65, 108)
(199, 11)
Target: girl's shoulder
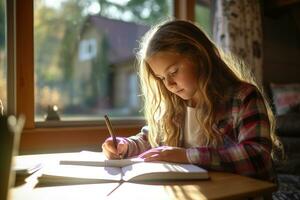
(245, 90)
(238, 95)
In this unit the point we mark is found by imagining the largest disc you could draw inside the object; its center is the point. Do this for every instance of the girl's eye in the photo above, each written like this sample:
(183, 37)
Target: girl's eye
(173, 72)
(161, 78)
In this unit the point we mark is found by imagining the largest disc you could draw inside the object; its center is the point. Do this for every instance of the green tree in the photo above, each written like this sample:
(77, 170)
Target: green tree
(2, 23)
(142, 11)
(203, 18)
(100, 73)
(148, 12)
(72, 23)
(57, 32)
(47, 37)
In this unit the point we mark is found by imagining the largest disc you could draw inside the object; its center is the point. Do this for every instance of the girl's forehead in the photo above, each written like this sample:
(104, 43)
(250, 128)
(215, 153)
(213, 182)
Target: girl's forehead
(162, 61)
(164, 56)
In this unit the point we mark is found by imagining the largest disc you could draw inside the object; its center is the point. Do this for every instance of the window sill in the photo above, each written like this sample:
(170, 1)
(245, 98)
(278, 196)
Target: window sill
(68, 139)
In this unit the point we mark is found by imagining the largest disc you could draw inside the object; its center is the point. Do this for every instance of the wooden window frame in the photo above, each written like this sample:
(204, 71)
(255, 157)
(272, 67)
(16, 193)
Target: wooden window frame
(36, 139)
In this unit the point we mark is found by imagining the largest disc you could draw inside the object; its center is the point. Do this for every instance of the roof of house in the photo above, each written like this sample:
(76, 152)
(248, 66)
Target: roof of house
(122, 36)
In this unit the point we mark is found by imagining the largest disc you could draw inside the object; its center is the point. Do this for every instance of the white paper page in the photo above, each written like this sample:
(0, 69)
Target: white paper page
(123, 162)
(89, 158)
(74, 173)
(163, 171)
(23, 166)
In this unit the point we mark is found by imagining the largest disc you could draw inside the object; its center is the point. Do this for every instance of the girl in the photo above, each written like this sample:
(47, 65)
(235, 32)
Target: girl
(199, 109)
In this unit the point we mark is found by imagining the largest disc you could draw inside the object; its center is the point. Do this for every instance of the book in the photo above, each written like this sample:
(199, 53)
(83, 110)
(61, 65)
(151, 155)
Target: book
(26, 170)
(125, 170)
(89, 158)
(23, 167)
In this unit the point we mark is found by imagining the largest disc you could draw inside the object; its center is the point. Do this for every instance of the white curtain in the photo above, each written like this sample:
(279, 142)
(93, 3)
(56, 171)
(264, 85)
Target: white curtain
(237, 28)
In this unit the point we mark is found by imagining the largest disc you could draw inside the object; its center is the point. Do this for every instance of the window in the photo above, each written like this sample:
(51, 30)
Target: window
(87, 49)
(203, 15)
(3, 58)
(23, 46)
(84, 56)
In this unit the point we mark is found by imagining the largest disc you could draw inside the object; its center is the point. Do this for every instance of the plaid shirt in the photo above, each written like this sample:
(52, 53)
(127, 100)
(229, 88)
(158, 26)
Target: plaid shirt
(243, 124)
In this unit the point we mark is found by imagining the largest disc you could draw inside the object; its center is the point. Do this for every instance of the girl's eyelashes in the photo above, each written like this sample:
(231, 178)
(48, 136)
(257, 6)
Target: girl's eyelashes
(173, 71)
(160, 78)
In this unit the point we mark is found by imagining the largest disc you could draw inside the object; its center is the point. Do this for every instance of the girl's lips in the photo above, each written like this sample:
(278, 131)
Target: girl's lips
(179, 91)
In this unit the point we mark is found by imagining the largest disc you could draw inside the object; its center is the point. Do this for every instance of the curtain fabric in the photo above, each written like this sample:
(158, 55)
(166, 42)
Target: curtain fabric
(237, 28)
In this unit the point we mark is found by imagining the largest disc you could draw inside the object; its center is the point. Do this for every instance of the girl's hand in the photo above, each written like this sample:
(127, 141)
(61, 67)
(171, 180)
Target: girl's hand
(165, 153)
(111, 152)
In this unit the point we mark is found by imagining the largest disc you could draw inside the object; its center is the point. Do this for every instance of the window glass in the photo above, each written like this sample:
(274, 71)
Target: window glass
(85, 55)
(3, 57)
(203, 16)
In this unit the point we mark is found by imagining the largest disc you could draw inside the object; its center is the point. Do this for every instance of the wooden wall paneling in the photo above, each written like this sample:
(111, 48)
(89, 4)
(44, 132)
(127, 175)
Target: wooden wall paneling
(25, 61)
(50, 140)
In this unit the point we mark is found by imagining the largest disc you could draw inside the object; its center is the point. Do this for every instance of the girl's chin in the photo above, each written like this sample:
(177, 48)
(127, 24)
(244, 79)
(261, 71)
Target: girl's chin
(183, 97)
(188, 99)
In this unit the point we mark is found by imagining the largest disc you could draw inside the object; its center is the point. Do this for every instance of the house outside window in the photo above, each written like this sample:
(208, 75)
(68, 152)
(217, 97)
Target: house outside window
(85, 56)
(87, 49)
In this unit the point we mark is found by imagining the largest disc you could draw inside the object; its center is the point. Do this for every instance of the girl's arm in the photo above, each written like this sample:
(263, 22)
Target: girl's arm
(139, 143)
(251, 155)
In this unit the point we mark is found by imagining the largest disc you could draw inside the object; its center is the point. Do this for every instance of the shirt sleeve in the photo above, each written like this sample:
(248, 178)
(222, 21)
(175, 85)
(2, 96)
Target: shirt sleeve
(250, 155)
(138, 143)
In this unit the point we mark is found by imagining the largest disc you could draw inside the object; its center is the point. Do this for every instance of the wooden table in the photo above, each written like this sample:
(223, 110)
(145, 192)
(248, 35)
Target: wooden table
(219, 186)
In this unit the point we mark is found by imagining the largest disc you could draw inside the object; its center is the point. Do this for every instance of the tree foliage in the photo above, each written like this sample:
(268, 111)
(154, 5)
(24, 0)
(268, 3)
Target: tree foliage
(139, 11)
(2, 24)
(57, 30)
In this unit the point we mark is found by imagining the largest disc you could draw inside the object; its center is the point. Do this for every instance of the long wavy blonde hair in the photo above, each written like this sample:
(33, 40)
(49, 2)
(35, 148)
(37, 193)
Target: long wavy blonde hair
(163, 110)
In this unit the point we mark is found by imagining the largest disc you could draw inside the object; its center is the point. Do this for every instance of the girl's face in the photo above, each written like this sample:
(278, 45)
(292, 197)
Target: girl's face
(178, 73)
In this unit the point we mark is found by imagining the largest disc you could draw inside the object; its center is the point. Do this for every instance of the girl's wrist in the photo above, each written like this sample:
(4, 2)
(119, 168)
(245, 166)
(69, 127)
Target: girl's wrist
(192, 155)
(125, 155)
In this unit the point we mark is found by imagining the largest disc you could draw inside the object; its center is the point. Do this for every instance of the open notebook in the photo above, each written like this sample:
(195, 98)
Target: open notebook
(93, 169)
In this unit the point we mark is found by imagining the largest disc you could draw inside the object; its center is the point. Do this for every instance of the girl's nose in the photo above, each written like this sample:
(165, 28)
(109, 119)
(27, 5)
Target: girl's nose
(170, 82)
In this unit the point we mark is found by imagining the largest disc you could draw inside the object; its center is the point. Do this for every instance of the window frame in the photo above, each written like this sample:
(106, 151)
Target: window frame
(62, 136)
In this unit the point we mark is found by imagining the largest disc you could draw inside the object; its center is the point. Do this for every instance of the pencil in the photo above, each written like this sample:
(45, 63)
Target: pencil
(110, 130)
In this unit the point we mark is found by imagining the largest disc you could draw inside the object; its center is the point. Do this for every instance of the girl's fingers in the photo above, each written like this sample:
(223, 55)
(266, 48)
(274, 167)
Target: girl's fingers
(149, 153)
(110, 146)
(161, 153)
(122, 148)
(111, 152)
(153, 157)
(105, 151)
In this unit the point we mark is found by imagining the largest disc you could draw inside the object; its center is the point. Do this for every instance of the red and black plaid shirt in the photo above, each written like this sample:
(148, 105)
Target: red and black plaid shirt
(244, 126)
